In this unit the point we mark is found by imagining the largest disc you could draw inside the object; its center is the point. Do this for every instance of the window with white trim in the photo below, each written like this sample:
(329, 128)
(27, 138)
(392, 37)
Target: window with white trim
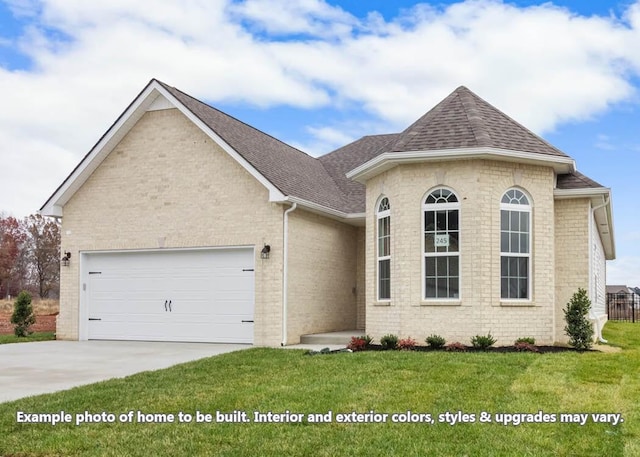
(441, 215)
(515, 246)
(384, 249)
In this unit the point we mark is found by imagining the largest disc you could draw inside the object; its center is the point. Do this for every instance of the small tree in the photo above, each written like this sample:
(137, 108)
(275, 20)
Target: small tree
(23, 317)
(579, 329)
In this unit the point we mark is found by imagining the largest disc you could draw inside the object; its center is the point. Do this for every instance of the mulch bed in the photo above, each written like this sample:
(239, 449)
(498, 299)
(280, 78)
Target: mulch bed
(539, 349)
(44, 323)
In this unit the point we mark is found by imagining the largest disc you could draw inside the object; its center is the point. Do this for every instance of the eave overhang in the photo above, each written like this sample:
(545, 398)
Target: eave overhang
(389, 160)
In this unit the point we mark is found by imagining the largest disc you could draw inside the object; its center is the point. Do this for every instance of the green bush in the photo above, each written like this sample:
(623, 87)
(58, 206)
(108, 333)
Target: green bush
(435, 341)
(526, 339)
(23, 317)
(483, 341)
(389, 341)
(579, 329)
(367, 339)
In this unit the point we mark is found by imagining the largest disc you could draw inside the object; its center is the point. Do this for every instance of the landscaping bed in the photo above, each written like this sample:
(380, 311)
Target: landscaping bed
(46, 312)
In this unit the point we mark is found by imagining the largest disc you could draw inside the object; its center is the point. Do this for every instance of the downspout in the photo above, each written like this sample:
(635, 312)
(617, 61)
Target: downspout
(285, 272)
(591, 313)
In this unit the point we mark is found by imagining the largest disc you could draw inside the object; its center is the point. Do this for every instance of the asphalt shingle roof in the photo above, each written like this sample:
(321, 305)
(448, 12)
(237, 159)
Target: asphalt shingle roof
(290, 170)
(461, 120)
(464, 120)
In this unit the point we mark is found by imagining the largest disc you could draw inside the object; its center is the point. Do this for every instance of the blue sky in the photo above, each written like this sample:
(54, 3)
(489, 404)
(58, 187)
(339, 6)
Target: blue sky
(318, 74)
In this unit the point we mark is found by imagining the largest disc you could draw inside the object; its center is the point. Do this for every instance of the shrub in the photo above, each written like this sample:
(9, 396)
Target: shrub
(482, 341)
(524, 346)
(579, 329)
(527, 339)
(456, 347)
(367, 339)
(23, 317)
(357, 343)
(435, 341)
(389, 341)
(407, 344)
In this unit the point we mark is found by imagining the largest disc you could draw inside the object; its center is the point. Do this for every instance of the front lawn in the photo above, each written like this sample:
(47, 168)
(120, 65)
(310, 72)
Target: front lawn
(39, 336)
(275, 380)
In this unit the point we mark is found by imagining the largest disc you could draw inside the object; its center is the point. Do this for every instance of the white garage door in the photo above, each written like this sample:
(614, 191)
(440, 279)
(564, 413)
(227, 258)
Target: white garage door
(180, 295)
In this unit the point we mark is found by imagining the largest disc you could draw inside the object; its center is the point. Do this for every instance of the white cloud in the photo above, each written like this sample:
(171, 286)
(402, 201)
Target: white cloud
(542, 65)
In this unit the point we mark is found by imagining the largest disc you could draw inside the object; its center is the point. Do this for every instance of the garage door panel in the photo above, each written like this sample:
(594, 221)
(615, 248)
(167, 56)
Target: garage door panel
(211, 295)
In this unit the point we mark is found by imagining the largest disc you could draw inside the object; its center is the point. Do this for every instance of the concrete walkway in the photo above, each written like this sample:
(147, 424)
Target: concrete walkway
(49, 366)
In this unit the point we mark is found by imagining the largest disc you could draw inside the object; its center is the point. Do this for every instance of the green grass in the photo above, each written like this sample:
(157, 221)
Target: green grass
(387, 382)
(40, 336)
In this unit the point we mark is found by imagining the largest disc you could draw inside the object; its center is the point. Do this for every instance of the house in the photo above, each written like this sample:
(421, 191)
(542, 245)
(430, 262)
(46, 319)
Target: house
(623, 303)
(183, 223)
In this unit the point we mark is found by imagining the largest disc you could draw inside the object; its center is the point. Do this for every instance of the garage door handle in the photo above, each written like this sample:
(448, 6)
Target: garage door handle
(247, 321)
(169, 305)
(165, 306)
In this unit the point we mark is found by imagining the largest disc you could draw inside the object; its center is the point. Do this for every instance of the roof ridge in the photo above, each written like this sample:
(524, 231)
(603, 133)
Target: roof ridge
(476, 121)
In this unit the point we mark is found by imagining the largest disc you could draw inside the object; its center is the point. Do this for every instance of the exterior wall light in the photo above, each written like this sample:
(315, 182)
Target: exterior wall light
(264, 254)
(66, 259)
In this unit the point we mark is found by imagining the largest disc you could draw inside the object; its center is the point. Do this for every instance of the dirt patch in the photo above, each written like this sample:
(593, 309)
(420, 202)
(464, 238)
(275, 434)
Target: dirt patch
(40, 307)
(44, 323)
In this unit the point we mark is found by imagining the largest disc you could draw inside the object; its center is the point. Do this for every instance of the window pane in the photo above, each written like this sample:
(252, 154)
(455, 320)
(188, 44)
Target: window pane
(429, 223)
(504, 220)
(453, 219)
(524, 222)
(441, 220)
(515, 221)
(513, 266)
(522, 289)
(523, 266)
(429, 245)
(513, 288)
(504, 266)
(384, 283)
(430, 266)
(441, 266)
(430, 288)
(442, 289)
(515, 243)
(454, 288)
(504, 288)
(454, 243)
(504, 242)
(524, 243)
(453, 266)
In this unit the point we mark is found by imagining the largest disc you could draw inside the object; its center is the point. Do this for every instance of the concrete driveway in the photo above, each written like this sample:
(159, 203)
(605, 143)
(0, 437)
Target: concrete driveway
(42, 367)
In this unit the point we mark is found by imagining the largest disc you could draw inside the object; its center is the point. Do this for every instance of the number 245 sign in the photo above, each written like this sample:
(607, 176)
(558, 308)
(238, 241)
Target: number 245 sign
(441, 241)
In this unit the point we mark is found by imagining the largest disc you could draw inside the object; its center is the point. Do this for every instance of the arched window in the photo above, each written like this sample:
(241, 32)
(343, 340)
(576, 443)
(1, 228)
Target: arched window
(515, 245)
(383, 214)
(441, 215)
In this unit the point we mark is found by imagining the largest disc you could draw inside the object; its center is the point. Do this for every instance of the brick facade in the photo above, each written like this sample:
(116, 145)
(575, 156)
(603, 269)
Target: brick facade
(479, 185)
(168, 183)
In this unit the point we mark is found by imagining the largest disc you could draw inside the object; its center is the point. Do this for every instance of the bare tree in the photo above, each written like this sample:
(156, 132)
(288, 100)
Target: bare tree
(12, 265)
(43, 247)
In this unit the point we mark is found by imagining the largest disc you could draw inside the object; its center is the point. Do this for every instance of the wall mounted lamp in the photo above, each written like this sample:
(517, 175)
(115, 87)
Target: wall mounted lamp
(66, 259)
(264, 254)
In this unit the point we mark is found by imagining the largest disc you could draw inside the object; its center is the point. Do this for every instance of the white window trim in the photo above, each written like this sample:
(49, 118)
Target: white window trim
(382, 215)
(423, 254)
(525, 209)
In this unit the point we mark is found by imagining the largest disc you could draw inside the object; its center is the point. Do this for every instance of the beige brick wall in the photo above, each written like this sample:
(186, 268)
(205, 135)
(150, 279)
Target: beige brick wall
(479, 185)
(361, 280)
(572, 254)
(166, 179)
(322, 275)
